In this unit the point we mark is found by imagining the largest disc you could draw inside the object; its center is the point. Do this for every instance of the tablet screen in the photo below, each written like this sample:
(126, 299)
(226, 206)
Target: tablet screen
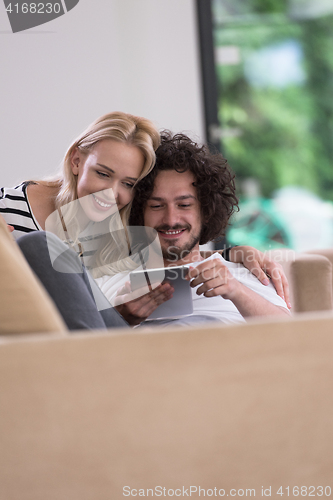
(181, 302)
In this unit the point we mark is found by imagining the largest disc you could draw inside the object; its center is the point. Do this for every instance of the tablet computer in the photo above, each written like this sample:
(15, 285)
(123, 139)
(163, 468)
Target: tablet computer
(181, 302)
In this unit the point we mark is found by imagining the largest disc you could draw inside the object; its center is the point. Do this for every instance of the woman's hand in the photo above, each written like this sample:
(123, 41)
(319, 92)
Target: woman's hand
(135, 307)
(263, 268)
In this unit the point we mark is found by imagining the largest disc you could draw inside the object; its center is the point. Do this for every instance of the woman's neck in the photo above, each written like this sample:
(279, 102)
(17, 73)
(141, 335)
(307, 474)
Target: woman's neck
(41, 199)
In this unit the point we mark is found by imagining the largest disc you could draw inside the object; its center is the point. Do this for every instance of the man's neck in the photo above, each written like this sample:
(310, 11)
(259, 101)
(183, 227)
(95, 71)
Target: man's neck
(193, 256)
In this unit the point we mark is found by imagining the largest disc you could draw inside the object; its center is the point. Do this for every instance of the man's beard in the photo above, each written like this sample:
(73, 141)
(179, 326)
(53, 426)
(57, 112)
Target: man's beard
(174, 253)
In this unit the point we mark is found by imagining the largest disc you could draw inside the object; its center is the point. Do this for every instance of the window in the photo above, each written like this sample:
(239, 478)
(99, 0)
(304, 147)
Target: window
(273, 67)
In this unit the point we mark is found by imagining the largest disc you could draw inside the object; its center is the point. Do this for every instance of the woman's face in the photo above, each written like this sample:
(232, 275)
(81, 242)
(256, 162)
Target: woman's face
(106, 177)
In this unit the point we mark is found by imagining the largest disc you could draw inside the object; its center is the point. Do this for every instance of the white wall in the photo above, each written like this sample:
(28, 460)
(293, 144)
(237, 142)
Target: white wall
(138, 56)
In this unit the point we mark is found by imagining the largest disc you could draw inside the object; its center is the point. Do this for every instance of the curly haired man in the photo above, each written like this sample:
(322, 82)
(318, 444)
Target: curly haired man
(188, 198)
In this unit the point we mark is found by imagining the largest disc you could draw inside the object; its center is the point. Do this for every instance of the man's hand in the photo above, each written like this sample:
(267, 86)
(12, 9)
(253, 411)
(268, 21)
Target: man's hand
(263, 268)
(216, 279)
(136, 309)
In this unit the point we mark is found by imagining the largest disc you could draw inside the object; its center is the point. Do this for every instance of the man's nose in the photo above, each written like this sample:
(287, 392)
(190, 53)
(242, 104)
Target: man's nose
(171, 216)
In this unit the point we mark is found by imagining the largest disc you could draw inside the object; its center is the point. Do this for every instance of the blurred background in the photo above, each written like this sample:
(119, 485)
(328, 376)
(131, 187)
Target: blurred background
(253, 78)
(274, 67)
(137, 56)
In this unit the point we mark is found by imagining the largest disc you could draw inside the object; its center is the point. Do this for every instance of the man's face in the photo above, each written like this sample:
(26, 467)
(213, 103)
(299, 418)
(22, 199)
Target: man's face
(173, 211)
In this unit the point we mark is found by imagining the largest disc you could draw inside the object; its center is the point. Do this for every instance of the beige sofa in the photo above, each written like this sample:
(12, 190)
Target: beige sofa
(105, 415)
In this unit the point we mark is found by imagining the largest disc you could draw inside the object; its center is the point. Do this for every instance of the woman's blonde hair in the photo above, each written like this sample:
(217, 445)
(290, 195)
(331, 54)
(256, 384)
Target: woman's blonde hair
(117, 126)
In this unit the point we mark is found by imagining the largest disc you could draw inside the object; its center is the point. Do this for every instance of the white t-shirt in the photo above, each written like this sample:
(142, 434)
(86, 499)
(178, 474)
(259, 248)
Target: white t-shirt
(204, 308)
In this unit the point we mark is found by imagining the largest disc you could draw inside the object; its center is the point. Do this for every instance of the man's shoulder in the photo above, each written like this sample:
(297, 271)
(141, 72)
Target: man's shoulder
(205, 254)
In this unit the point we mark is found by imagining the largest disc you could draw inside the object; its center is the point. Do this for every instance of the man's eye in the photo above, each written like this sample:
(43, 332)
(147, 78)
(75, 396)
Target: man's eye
(155, 206)
(184, 206)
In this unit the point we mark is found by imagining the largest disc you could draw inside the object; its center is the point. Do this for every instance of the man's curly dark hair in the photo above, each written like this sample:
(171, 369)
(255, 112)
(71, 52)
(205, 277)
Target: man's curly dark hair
(214, 183)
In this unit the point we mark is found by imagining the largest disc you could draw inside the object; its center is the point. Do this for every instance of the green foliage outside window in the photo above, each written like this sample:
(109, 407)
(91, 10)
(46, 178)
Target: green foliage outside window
(277, 130)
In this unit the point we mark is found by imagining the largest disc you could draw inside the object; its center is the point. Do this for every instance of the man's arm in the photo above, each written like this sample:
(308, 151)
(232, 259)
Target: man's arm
(261, 266)
(215, 279)
(249, 303)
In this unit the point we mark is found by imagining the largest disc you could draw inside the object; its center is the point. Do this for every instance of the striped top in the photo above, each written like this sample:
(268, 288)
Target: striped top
(16, 210)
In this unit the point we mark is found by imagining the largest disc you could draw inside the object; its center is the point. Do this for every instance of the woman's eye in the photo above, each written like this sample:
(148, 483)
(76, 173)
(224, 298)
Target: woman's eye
(128, 185)
(102, 174)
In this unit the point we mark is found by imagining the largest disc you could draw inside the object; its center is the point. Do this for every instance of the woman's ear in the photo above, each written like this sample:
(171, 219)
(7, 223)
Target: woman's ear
(75, 161)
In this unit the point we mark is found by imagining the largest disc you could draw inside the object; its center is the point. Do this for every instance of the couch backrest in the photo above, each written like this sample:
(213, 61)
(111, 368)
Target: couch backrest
(237, 407)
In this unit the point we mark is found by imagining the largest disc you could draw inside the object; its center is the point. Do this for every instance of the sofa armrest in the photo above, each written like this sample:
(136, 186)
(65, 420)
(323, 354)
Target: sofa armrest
(25, 307)
(324, 252)
(310, 279)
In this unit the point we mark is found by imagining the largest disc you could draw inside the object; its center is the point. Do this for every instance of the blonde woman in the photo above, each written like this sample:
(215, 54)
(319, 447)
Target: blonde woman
(100, 170)
(115, 151)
